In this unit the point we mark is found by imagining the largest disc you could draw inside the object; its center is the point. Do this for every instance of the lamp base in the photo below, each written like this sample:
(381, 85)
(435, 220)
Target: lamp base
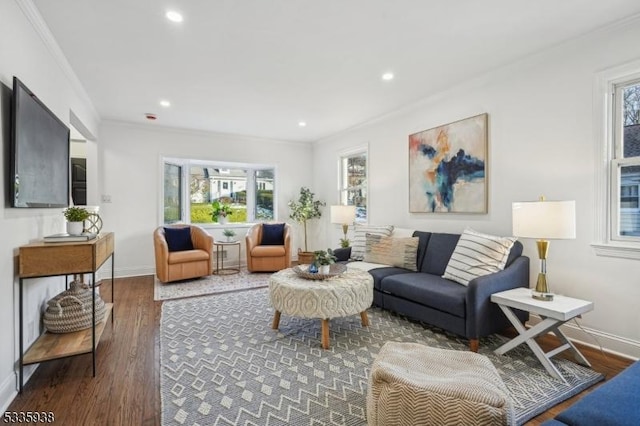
(547, 297)
(541, 291)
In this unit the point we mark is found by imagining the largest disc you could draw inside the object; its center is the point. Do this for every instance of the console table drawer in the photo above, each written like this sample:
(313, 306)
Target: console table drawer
(47, 259)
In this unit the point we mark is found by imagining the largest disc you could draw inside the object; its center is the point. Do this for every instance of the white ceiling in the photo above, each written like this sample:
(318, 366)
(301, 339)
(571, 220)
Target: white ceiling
(258, 67)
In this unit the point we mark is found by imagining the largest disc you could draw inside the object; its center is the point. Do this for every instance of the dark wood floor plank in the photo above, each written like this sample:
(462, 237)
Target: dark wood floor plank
(126, 389)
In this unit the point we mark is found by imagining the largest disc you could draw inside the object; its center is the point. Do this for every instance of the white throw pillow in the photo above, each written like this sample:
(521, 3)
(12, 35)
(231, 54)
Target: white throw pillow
(477, 254)
(359, 240)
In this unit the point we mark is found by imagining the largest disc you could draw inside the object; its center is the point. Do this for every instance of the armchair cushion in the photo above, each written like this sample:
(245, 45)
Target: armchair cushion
(178, 239)
(272, 234)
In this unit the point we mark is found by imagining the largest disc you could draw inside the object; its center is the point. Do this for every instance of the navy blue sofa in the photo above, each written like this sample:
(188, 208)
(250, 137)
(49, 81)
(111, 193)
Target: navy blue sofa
(616, 402)
(426, 296)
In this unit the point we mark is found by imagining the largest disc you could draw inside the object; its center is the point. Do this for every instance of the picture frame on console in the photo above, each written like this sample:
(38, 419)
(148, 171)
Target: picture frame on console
(448, 168)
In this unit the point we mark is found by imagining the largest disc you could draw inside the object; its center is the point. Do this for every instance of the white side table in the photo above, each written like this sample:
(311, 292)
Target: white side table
(553, 313)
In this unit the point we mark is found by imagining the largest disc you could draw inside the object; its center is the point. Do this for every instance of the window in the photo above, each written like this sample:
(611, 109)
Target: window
(616, 120)
(247, 189)
(353, 183)
(625, 165)
(172, 193)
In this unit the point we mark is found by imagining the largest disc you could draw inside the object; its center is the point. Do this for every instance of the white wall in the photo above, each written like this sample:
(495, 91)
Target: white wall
(541, 141)
(24, 54)
(132, 176)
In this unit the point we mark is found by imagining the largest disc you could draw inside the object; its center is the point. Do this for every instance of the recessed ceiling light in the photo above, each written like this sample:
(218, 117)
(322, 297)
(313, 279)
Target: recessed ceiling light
(302, 123)
(165, 103)
(174, 16)
(387, 76)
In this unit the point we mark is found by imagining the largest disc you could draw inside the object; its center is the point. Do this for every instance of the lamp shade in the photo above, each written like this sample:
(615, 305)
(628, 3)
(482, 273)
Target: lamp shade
(545, 219)
(343, 214)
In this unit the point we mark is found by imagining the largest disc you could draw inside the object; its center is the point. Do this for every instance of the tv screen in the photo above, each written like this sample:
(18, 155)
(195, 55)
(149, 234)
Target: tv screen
(39, 153)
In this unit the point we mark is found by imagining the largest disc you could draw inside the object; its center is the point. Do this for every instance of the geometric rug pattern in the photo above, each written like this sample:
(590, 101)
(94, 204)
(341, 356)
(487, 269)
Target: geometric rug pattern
(222, 364)
(211, 284)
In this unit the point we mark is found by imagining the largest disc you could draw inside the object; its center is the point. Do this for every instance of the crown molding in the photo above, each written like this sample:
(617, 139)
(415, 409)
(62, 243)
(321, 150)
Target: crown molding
(42, 29)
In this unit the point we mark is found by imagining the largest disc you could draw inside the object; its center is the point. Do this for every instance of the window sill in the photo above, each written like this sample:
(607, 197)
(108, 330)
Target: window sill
(617, 249)
(245, 225)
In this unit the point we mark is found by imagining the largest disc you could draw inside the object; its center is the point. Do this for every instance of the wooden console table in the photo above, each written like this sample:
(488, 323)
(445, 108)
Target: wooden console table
(42, 259)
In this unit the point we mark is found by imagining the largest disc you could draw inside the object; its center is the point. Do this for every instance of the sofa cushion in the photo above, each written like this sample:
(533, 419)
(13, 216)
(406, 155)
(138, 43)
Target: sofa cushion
(178, 239)
(400, 252)
(438, 252)
(272, 234)
(516, 252)
(613, 403)
(477, 254)
(379, 274)
(358, 242)
(429, 290)
(423, 241)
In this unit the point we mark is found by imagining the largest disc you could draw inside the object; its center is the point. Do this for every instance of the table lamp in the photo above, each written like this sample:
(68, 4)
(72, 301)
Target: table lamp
(343, 215)
(544, 220)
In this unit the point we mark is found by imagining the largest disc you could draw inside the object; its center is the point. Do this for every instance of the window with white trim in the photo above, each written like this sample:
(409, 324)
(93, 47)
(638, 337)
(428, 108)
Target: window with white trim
(625, 164)
(353, 182)
(192, 187)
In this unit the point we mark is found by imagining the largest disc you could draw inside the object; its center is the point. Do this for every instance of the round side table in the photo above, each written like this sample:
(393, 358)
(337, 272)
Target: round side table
(220, 248)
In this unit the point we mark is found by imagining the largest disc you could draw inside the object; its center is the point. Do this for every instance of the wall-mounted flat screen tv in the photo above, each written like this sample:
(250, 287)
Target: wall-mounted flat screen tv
(39, 175)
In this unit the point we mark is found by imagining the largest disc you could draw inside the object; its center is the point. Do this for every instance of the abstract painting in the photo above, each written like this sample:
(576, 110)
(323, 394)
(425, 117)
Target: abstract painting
(448, 167)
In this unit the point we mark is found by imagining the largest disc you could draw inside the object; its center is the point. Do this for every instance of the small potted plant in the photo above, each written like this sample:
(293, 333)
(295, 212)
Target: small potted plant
(220, 211)
(229, 233)
(75, 219)
(323, 260)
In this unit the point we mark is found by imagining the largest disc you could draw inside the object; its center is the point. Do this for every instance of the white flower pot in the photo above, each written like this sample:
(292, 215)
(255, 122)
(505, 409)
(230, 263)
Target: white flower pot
(324, 269)
(222, 220)
(75, 228)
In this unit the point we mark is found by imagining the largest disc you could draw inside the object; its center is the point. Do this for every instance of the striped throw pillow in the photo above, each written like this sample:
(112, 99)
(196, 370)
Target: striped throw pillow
(400, 252)
(359, 240)
(477, 254)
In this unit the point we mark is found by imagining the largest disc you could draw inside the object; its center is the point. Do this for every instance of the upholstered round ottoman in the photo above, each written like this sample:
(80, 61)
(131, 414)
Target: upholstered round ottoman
(347, 294)
(413, 384)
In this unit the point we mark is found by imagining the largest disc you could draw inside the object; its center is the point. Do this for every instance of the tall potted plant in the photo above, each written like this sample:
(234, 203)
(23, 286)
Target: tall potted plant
(302, 210)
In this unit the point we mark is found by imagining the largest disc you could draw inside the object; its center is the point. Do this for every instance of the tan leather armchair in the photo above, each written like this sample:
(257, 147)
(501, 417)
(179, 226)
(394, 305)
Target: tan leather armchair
(267, 258)
(182, 265)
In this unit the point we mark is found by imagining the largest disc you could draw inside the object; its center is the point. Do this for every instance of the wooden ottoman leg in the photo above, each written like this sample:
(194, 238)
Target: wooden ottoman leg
(325, 334)
(365, 318)
(276, 320)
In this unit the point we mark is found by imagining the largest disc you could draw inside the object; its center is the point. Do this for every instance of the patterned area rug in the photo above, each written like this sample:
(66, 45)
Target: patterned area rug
(222, 364)
(210, 285)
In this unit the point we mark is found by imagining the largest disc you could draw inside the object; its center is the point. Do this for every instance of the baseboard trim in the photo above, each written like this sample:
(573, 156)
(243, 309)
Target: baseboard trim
(8, 391)
(609, 343)
(9, 386)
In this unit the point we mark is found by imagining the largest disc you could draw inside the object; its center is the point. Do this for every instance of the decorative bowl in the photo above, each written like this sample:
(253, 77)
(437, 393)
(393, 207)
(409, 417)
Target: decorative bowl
(335, 270)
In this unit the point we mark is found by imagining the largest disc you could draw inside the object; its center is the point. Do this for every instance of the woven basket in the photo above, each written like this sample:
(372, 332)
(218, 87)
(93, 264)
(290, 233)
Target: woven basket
(70, 310)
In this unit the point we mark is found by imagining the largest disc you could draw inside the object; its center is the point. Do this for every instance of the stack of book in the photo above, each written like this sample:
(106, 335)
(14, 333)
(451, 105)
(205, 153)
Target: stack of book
(68, 238)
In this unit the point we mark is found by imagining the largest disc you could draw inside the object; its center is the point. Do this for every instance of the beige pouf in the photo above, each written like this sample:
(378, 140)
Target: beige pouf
(412, 384)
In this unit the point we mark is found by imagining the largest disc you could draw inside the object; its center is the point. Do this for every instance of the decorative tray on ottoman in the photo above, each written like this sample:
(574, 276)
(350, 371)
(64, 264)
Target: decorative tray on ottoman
(335, 270)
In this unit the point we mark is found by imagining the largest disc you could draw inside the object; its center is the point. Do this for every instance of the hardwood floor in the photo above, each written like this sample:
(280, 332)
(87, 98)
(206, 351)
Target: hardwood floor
(126, 389)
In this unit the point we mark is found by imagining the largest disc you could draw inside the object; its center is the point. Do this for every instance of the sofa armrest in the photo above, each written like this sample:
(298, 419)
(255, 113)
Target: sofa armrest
(342, 254)
(485, 317)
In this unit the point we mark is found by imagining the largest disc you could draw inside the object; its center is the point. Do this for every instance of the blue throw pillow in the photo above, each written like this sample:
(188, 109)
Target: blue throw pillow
(272, 234)
(178, 239)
